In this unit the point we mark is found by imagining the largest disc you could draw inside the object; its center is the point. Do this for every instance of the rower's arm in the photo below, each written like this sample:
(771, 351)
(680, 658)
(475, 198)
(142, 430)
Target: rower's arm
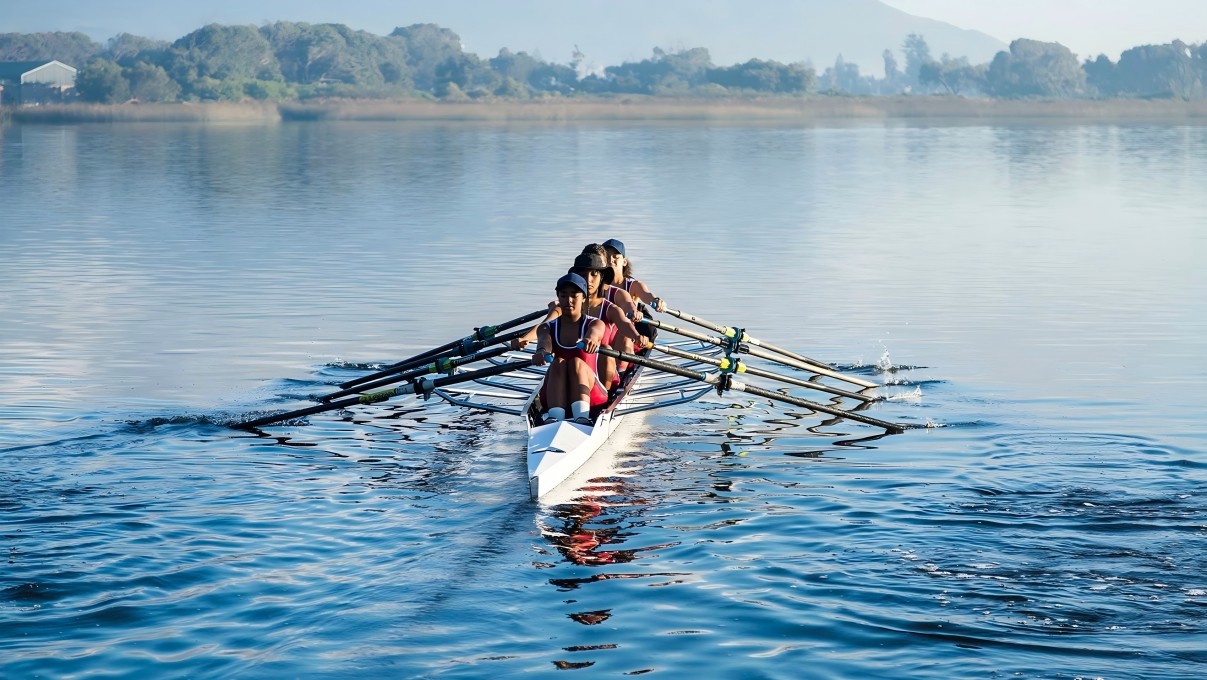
(523, 341)
(544, 344)
(594, 336)
(625, 302)
(624, 326)
(642, 292)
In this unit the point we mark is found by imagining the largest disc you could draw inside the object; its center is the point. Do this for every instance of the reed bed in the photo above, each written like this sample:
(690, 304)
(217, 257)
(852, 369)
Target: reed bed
(209, 112)
(752, 109)
(629, 108)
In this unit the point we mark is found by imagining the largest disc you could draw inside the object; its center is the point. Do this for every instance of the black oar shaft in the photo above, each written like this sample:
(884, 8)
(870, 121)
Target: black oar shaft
(484, 334)
(756, 352)
(461, 347)
(419, 386)
(730, 332)
(441, 365)
(715, 378)
(755, 371)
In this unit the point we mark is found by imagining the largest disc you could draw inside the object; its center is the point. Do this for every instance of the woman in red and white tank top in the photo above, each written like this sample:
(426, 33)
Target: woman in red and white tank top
(621, 334)
(571, 388)
(622, 272)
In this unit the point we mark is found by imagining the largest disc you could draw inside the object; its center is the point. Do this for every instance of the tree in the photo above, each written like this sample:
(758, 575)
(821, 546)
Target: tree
(428, 46)
(334, 53)
(917, 53)
(1173, 71)
(69, 48)
(844, 76)
(469, 73)
(1100, 76)
(516, 66)
(554, 78)
(512, 89)
(953, 75)
(892, 72)
(150, 83)
(127, 49)
(1035, 69)
(101, 81)
(221, 53)
(664, 73)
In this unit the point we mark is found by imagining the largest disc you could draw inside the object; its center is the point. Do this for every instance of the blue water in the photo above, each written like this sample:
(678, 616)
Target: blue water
(1035, 293)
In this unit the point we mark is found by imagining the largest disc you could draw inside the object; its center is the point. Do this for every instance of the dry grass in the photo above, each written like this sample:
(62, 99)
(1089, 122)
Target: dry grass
(212, 112)
(804, 110)
(769, 109)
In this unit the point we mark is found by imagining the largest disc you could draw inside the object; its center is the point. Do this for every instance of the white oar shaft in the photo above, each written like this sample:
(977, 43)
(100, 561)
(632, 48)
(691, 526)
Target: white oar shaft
(731, 332)
(725, 382)
(756, 352)
(751, 370)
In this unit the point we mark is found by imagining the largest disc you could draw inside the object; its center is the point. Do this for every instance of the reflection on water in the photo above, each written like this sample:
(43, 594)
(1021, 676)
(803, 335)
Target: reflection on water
(1033, 290)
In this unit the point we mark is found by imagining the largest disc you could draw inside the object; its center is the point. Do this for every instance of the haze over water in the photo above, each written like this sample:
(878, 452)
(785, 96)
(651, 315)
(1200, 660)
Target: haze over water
(1036, 291)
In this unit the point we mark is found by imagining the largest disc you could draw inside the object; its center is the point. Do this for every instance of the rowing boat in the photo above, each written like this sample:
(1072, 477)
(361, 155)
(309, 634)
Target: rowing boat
(660, 375)
(556, 450)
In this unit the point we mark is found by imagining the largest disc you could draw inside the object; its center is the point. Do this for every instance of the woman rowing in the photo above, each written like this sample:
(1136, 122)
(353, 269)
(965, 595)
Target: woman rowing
(614, 293)
(621, 333)
(572, 337)
(623, 274)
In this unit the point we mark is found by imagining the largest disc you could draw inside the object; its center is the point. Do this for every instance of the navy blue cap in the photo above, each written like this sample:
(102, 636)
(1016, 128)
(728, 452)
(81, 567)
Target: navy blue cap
(572, 280)
(614, 245)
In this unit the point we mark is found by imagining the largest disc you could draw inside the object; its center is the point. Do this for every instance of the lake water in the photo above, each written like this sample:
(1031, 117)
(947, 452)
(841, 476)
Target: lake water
(1036, 292)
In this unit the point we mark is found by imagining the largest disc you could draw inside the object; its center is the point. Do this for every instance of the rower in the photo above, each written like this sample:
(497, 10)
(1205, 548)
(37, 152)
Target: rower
(615, 294)
(572, 338)
(621, 333)
(623, 274)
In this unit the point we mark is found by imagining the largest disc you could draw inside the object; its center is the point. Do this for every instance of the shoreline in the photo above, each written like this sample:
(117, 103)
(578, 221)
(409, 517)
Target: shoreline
(782, 110)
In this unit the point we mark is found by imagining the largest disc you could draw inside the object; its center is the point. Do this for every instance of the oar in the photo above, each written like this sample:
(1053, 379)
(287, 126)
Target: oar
(462, 347)
(725, 381)
(737, 366)
(754, 351)
(485, 334)
(441, 365)
(731, 332)
(419, 386)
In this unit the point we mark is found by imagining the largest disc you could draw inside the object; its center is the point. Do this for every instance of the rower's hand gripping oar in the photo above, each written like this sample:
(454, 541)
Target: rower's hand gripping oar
(724, 381)
(420, 386)
(481, 337)
(755, 351)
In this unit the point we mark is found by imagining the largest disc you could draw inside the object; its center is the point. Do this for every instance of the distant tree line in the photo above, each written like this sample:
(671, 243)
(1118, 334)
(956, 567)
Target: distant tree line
(288, 60)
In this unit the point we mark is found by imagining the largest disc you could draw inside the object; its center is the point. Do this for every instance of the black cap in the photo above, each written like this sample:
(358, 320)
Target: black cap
(594, 261)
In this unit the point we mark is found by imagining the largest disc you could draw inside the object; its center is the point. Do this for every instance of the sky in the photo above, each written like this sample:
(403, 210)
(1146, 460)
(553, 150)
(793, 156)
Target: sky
(1087, 27)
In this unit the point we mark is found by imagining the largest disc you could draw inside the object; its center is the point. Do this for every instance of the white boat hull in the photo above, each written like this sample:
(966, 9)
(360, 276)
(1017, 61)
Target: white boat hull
(557, 450)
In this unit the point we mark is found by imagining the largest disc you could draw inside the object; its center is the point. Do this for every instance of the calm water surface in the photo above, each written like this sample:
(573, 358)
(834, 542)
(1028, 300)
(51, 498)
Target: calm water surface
(1036, 292)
